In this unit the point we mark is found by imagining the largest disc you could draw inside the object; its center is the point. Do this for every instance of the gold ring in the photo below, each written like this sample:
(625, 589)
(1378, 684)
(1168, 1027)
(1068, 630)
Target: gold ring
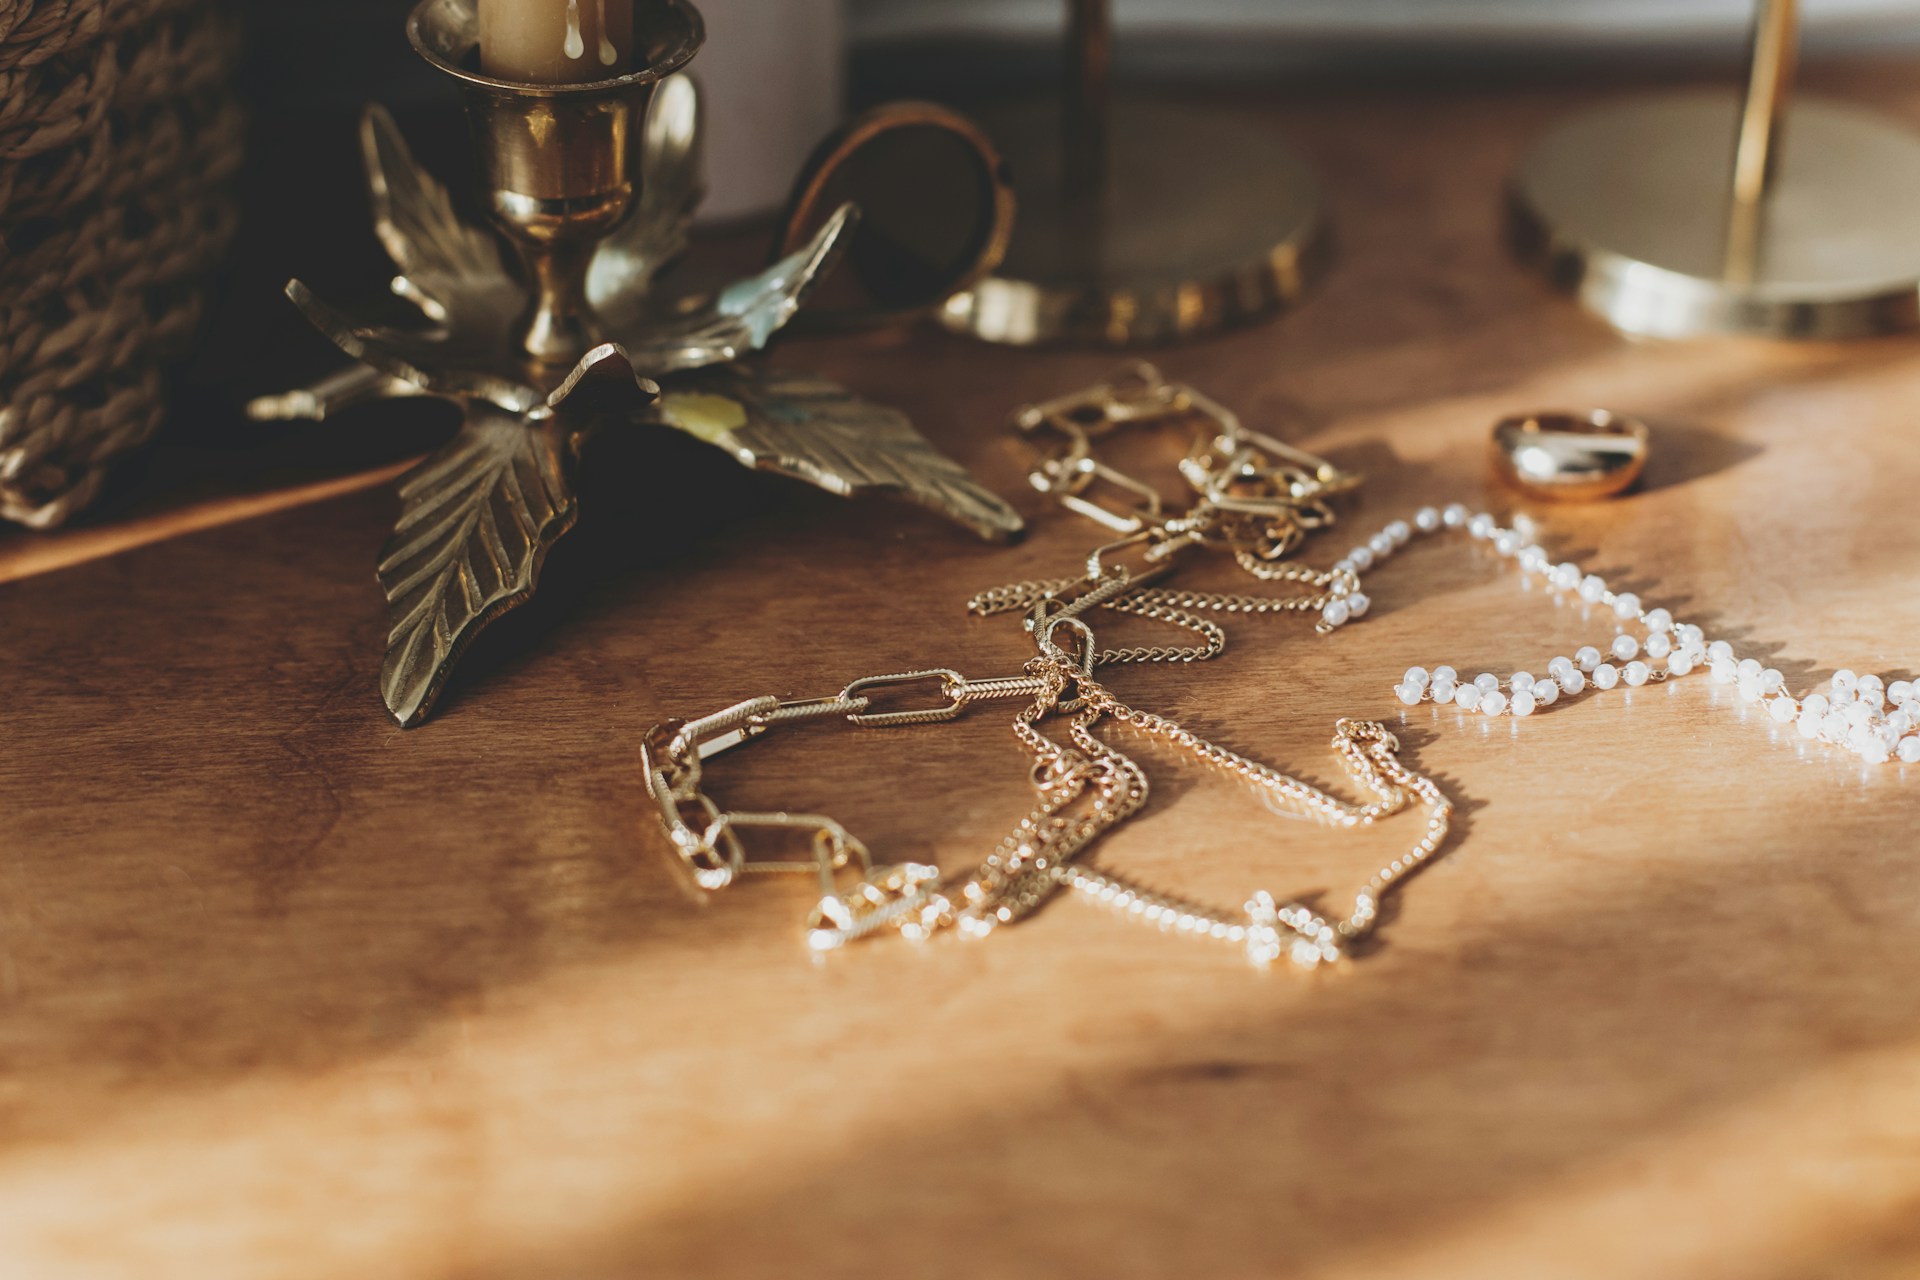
(1570, 457)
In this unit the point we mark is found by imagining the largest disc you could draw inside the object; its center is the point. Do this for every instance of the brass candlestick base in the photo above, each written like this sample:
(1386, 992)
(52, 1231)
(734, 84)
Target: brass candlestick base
(1204, 219)
(595, 204)
(1629, 209)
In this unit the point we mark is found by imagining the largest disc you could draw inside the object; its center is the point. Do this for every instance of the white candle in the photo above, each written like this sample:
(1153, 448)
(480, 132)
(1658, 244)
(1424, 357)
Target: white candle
(556, 41)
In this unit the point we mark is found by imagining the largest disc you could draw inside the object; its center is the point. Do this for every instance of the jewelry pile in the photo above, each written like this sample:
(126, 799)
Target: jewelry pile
(1253, 497)
(1257, 499)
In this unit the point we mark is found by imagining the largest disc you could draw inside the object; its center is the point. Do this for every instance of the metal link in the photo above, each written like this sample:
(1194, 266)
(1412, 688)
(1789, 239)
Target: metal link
(949, 681)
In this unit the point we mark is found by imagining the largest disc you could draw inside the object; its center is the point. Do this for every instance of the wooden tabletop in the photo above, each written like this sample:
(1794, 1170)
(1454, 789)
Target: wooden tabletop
(288, 992)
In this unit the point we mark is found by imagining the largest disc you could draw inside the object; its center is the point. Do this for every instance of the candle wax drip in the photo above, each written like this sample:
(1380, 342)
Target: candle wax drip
(608, 54)
(575, 47)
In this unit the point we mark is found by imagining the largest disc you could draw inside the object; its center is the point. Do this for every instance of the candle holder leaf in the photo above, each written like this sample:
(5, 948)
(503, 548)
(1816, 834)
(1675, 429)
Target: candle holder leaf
(476, 522)
(813, 429)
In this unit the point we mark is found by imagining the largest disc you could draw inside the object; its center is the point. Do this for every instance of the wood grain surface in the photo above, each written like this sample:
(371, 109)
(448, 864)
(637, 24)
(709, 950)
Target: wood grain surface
(287, 992)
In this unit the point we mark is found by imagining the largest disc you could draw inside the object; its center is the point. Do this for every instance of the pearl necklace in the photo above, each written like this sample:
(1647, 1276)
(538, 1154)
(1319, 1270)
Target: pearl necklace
(1876, 718)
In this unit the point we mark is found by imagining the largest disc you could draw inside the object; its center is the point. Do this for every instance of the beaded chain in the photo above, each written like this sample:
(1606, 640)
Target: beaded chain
(1876, 718)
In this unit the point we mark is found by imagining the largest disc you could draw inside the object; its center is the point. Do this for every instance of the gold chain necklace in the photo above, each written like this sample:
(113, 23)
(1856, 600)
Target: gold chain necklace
(1254, 497)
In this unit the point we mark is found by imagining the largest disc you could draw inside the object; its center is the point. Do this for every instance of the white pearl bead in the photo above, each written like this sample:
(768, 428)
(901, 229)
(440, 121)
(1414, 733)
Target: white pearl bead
(1558, 665)
(1844, 679)
(1888, 735)
(1680, 664)
(1658, 645)
(1486, 682)
(1358, 602)
(1467, 697)
(1520, 680)
(1750, 690)
(1587, 658)
(1860, 735)
(1905, 720)
(1409, 693)
(1772, 681)
(1723, 672)
(1637, 673)
(1426, 519)
(1572, 681)
(1399, 531)
(1343, 566)
(1445, 672)
(1626, 605)
(1834, 727)
(1566, 576)
(1624, 647)
(1719, 651)
(1454, 516)
(1493, 703)
(1910, 750)
(1523, 703)
(1841, 697)
(1875, 753)
(1660, 620)
(1334, 613)
(1605, 676)
(1506, 542)
(1688, 633)
(1482, 526)
(1417, 677)
(1442, 690)
(1900, 691)
(1592, 587)
(1749, 667)
(1533, 559)
(1816, 703)
(1545, 692)
(1808, 724)
(1859, 713)
(1361, 559)
(1782, 710)
(1871, 683)
(1381, 546)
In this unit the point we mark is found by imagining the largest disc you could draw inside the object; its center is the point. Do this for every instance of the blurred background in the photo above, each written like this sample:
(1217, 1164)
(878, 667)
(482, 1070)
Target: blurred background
(779, 74)
(778, 71)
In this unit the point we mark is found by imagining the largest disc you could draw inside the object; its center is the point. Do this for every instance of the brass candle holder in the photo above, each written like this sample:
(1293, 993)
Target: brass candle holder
(593, 185)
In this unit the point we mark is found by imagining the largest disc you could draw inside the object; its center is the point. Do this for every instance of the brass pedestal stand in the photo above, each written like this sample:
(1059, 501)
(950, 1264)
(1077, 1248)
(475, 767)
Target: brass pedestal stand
(1713, 212)
(1140, 222)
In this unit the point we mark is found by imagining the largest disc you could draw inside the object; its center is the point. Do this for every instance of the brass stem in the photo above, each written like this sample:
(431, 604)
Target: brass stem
(1089, 63)
(559, 325)
(1756, 157)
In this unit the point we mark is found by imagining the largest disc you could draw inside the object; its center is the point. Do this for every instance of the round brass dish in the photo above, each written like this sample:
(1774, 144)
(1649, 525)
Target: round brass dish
(1200, 219)
(1629, 208)
(1570, 457)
